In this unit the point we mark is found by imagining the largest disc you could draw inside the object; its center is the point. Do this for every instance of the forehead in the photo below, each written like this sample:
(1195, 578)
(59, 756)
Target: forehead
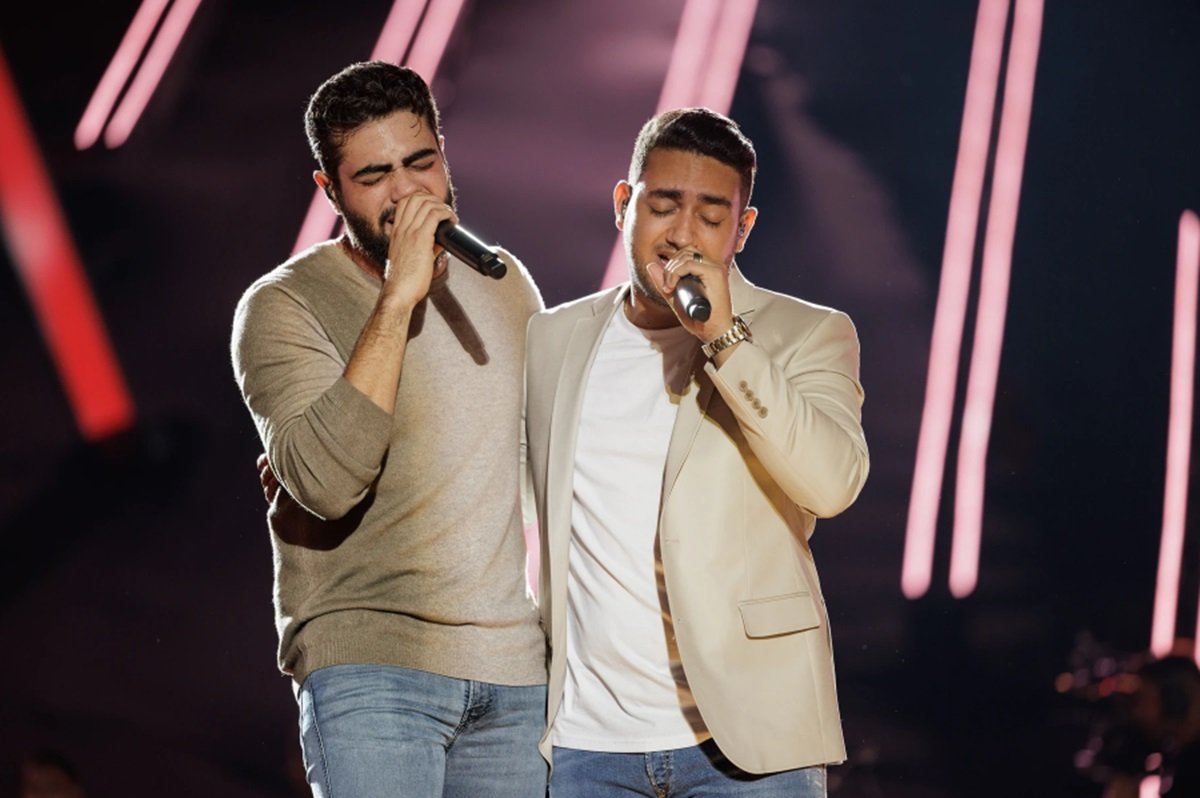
(388, 139)
(690, 173)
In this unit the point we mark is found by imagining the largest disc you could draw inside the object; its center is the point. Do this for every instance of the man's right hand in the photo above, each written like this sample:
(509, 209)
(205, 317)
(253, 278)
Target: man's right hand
(378, 357)
(413, 254)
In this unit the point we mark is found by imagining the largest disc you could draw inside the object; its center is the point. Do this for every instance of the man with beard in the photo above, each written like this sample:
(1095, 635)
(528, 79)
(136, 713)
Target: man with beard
(402, 609)
(679, 465)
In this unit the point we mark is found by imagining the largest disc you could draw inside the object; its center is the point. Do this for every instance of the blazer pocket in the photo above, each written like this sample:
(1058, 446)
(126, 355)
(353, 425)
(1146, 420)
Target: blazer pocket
(779, 615)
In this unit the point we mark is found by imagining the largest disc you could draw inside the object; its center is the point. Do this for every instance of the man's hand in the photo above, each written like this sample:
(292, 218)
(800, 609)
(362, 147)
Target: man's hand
(413, 254)
(378, 357)
(713, 275)
(270, 484)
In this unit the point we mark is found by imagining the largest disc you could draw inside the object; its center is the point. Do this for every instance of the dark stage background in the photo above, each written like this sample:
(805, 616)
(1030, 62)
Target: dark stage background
(135, 606)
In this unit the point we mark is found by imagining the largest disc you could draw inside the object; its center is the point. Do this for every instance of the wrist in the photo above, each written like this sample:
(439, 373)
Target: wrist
(739, 331)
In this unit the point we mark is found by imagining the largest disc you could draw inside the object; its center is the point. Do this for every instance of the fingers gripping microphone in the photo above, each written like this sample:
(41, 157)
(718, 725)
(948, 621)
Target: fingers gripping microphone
(470, 250)
(690, 293)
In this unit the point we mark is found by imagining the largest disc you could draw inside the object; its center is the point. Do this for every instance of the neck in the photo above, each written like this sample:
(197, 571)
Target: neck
(644, 312)
(360, 258)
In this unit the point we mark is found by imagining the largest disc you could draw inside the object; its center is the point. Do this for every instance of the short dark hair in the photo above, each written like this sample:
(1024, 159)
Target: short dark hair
(358, 94)
(702, 131)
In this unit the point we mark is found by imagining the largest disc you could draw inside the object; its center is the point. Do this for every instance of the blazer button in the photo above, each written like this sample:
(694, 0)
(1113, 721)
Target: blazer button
(762, 412)
(743, 385)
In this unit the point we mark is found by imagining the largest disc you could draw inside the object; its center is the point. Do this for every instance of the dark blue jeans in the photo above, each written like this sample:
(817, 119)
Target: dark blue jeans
(370, 731)
(697, 772)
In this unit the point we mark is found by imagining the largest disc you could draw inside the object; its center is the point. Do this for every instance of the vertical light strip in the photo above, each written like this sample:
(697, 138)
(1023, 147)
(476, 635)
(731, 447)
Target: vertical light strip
(1179, 436)
(962, 225)
(48, 265)
(398, 30)
(1003, 208)
(725, 60)
(432, 38)
(147, 79)
(689, 54)
(318, 223)
(394, 41)
(706, 61)
(119, 69)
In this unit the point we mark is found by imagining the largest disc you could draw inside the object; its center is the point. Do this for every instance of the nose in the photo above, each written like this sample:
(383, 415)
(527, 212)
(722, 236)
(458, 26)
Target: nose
(401, 184)
(682, 232)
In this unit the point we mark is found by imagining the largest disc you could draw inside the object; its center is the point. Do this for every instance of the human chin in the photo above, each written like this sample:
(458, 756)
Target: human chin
(642, 283)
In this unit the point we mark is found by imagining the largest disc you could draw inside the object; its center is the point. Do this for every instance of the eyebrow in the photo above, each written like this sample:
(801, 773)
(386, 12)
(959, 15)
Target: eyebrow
(675, 195)
(409, 160)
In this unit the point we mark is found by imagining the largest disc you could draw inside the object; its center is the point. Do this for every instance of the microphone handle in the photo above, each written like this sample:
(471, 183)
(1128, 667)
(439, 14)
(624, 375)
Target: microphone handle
(470, 250)
(690, 293)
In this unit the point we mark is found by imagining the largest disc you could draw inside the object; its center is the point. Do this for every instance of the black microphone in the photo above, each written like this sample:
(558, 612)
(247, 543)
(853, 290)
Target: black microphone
(470, 250)
(690, 293)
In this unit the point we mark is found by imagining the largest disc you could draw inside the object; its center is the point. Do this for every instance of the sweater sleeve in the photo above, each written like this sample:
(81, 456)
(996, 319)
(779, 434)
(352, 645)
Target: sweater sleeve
(801, 413)
(325, 439)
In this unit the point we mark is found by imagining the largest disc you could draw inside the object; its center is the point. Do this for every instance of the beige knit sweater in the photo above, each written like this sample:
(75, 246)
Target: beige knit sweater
(408, 548)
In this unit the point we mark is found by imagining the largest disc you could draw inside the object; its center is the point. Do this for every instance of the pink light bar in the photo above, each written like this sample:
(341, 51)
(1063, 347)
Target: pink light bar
(49, 267)
(993, 296)
(148, 77)
(318, 223)
(729, 49)
(398, 30)
(119, 69)
(1179, 435)
(705, 63)
(962, 225)
(430, 44)
(685, 73)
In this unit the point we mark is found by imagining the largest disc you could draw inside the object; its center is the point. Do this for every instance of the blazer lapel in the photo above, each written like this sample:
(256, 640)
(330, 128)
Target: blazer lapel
(687, 424)
(577, 360)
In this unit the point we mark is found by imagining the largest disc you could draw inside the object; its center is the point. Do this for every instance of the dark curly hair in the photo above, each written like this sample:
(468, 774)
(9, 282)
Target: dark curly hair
(358, 94)
(701, 131)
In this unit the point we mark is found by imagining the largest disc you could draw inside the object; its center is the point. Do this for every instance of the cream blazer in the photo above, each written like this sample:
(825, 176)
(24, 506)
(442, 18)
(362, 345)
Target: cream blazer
(760, 449)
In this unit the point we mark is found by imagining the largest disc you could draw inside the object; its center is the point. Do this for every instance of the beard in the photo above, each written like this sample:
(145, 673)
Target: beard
(640, 278)
(369, 237)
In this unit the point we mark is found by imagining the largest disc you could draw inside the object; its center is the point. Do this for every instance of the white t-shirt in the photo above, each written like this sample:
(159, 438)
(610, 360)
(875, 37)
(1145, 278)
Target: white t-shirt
(625, 690)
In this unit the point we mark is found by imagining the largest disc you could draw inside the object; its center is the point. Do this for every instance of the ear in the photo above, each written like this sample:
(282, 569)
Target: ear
(745, 225)
(326, 184)
(621, 195)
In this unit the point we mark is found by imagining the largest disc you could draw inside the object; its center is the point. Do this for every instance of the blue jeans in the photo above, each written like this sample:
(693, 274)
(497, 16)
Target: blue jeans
(682, 773)
(370, 731)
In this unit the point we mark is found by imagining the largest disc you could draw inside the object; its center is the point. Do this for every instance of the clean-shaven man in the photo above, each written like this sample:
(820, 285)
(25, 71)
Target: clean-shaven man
(678, 468)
